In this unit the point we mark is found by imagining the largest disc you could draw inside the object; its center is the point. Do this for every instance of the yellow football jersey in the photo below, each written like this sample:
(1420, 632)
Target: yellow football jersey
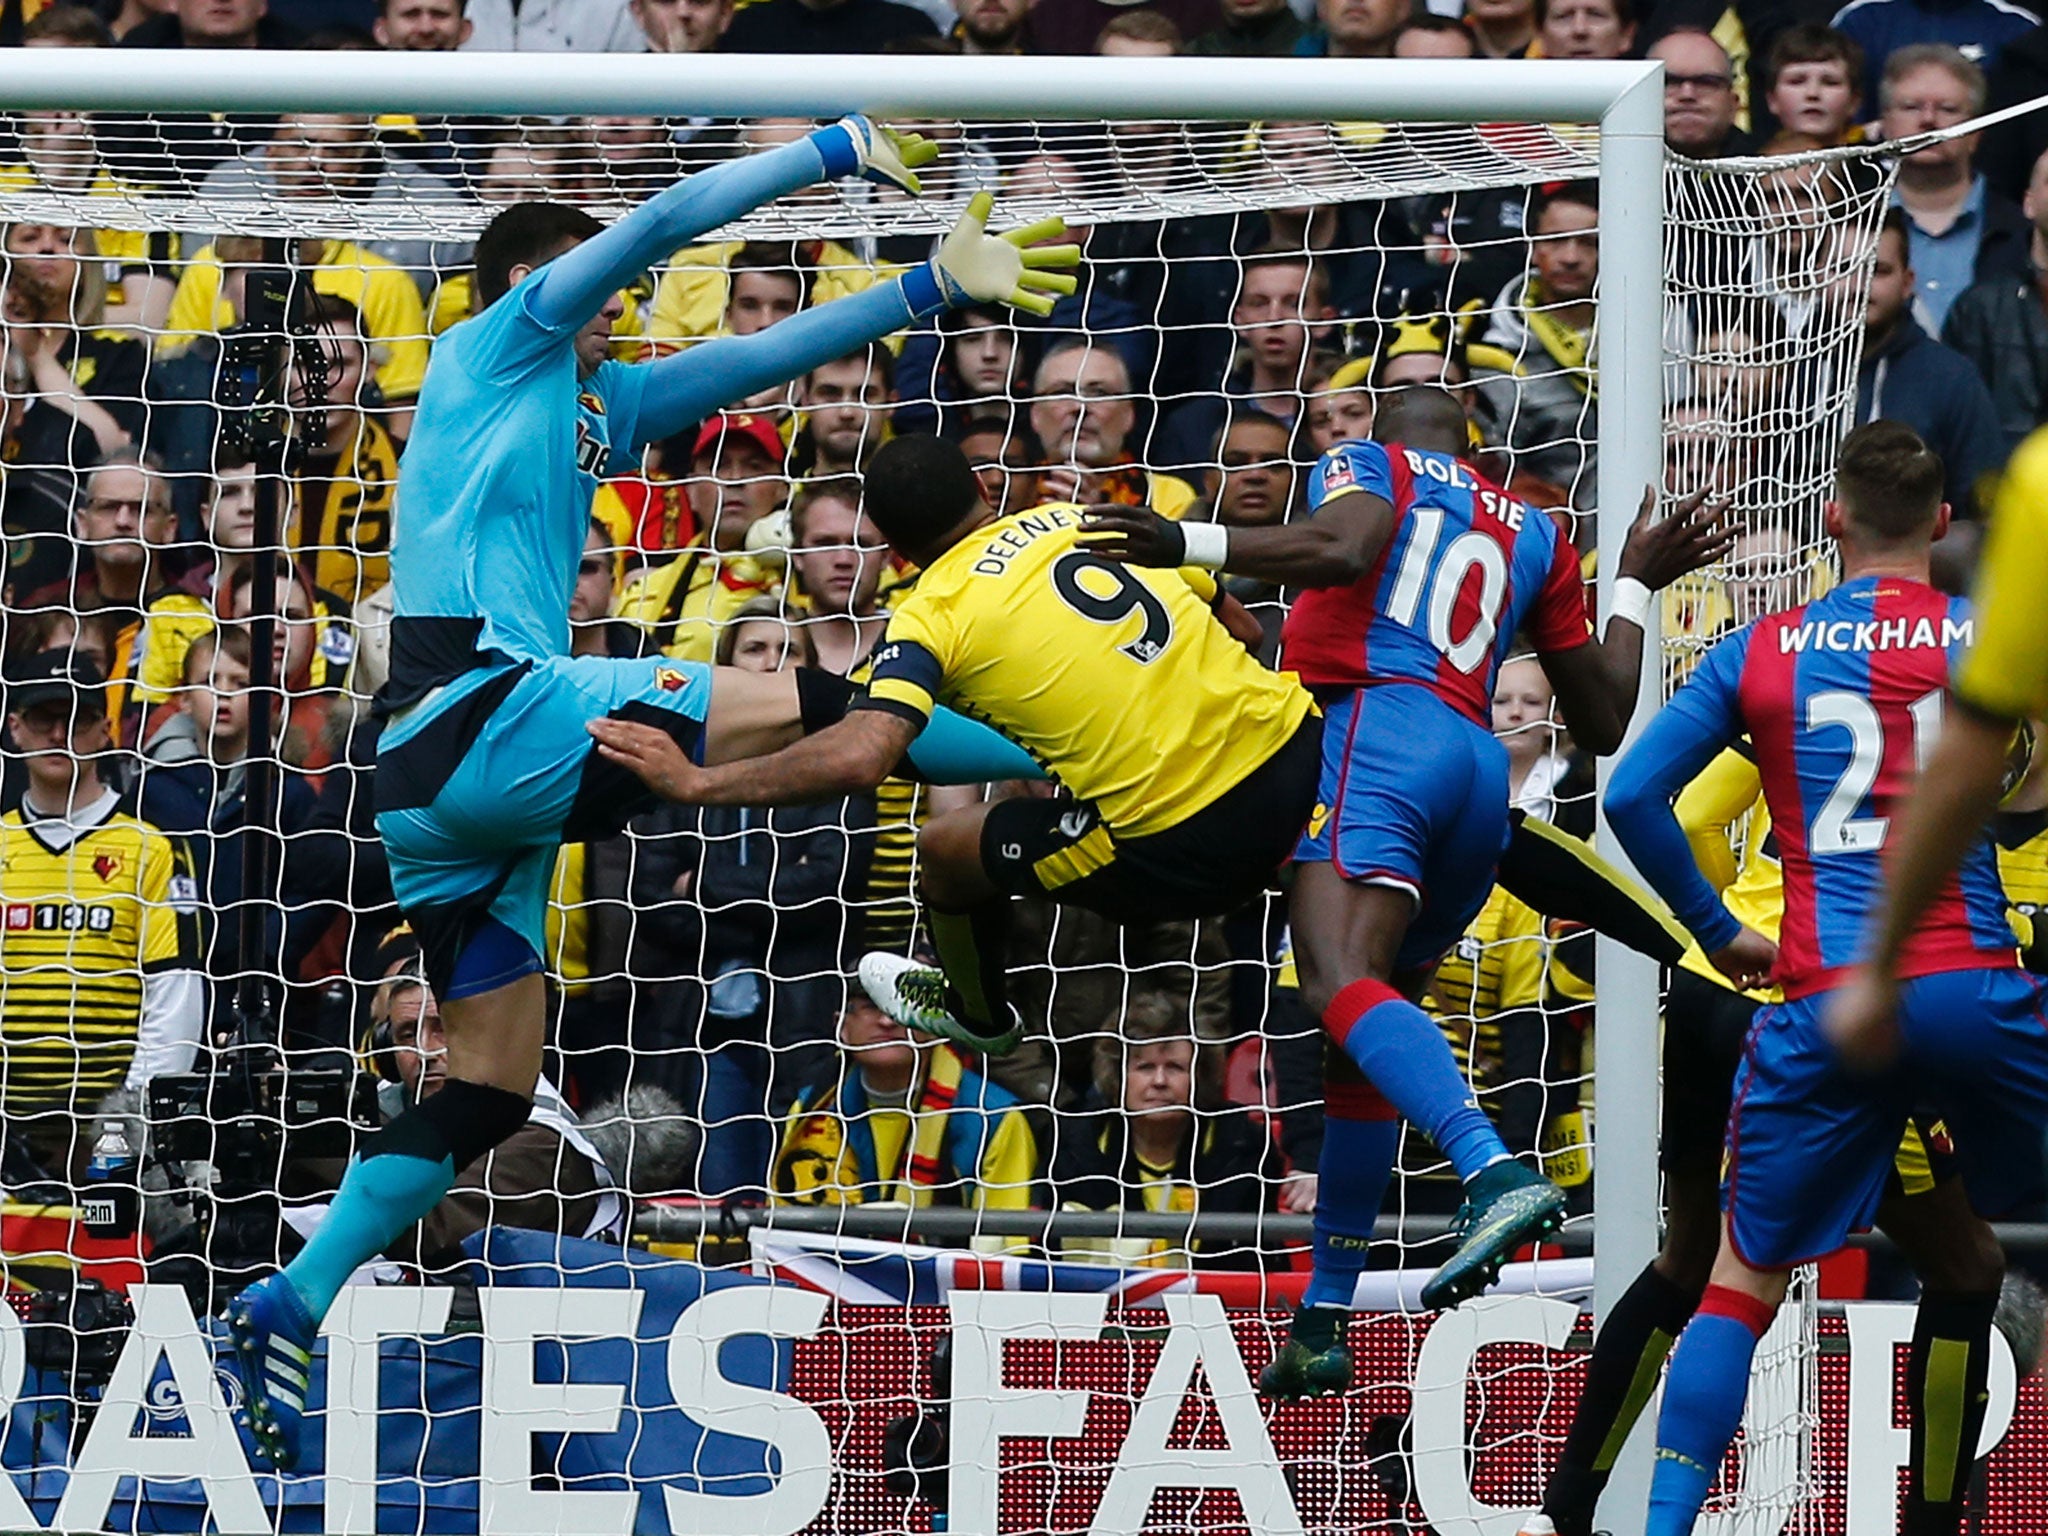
(690, 300)
(2023, 862)
(170, 624)
(1119, 680)
(2006, 671)
(123, 250)
(79, 928)
(1727, 789)
(684, 603)
(1500, 964)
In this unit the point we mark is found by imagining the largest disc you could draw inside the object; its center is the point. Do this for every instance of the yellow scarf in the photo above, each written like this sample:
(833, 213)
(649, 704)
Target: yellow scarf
(820, 1161)
(1567, 347)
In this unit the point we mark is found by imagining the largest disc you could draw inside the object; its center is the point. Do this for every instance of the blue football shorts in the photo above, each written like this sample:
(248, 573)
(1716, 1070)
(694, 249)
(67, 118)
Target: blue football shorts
(1414, 796)
(1811, 1145)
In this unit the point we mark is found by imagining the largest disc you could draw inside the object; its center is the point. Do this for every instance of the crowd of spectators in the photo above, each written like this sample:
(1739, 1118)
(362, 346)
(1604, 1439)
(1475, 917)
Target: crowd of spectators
(1200, 368)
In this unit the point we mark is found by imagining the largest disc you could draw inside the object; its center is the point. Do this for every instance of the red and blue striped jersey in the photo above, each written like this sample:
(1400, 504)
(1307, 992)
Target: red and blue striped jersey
(1842, 699)
(1466, 567)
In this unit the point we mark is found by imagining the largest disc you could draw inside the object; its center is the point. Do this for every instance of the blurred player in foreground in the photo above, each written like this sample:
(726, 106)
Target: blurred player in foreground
(2000, 684)
(1420, 573)
(484, 767)
(1841, 698)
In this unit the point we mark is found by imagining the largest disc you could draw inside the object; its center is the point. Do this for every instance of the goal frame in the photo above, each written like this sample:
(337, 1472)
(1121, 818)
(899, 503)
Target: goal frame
(1624, 99)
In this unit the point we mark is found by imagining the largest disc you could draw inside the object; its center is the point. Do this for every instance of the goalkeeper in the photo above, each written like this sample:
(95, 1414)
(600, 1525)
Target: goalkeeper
(484, 767)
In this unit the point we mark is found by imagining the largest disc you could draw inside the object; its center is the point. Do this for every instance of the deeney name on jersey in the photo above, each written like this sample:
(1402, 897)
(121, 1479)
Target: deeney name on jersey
(997, 554)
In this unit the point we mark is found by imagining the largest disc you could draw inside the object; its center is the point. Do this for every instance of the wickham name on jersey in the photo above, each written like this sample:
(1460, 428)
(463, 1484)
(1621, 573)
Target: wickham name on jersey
(1873, 635)
(999, 551)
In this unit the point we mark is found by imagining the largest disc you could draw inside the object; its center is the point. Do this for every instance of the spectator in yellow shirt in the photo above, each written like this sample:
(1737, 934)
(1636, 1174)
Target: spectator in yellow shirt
(736, 480)
(906, 1120)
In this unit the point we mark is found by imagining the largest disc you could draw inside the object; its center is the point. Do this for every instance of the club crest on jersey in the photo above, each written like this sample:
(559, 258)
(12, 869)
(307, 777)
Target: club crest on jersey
(591, 448)
(106, 866)
(669, 680)
(591, 402)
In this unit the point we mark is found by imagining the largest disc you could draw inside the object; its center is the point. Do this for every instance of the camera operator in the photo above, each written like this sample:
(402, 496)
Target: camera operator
(549, 1177)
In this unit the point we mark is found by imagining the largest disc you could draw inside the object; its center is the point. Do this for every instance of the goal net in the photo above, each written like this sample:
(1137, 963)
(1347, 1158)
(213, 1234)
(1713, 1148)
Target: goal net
(1249, 290)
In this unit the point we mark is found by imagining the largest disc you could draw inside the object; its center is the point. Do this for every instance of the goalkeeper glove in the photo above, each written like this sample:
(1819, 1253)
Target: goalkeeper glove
(974, 266)
(858, 146)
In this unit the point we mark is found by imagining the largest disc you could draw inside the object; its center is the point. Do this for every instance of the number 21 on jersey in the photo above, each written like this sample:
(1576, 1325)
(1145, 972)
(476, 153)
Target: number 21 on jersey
(1837, 829)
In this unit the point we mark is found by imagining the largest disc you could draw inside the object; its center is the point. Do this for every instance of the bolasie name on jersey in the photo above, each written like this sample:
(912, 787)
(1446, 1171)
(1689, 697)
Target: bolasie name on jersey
(1451, 472)
(997, 554)
(1874, 635)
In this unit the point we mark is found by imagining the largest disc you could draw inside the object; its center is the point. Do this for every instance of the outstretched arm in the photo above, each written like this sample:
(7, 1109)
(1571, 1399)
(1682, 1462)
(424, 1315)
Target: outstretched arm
(1597, 682)
(1332, 549)
(849, 758)
(971, 265)
(688, 386)
(576, 285)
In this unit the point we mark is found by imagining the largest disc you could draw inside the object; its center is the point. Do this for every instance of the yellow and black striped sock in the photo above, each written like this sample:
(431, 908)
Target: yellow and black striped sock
(1947, 1392)
(1628, 1355)
(1562, 876)
(973, 951)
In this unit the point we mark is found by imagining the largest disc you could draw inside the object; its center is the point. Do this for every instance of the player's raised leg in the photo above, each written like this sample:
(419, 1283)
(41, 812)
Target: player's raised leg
(966, 998)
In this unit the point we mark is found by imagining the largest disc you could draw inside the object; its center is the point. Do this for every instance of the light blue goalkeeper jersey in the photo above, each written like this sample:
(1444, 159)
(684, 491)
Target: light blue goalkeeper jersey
(508, 444)
(506, 452)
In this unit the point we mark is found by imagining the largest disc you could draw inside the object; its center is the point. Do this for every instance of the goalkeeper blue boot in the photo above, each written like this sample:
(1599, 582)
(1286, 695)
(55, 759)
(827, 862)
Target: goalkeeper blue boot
(1315, 1361)
(1506, 1205)
(273, 1335)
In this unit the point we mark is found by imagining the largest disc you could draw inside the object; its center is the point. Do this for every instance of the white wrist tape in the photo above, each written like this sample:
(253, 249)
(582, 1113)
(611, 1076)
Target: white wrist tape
(1631, 602)
(1207, 545)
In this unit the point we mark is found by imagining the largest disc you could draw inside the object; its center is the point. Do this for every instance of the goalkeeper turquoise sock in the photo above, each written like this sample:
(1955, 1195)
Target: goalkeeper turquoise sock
(380, 1197)
(1405, 1056)
(1360, 1139)
(1703, 1405)
(403, 1172)
(951, 749)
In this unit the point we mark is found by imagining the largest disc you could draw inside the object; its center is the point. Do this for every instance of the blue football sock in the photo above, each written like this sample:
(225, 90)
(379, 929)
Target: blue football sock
(1703, 1400)
(1404, 1054)
(1351, 1182)
(380, 1198)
